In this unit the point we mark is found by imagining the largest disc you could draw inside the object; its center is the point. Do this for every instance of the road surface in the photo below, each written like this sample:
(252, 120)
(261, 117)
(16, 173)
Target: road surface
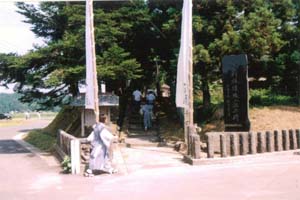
(24, 175)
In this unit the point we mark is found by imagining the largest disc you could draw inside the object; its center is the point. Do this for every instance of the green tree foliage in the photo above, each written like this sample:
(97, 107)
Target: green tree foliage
(52, 71)
(11, 102)
(134, 38)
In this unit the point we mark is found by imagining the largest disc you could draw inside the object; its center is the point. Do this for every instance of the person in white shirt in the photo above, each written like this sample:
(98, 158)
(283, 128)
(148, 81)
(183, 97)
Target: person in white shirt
(137, 96)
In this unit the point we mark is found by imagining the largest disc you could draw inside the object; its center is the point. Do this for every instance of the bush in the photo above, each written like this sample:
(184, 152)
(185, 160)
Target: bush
(66, 165)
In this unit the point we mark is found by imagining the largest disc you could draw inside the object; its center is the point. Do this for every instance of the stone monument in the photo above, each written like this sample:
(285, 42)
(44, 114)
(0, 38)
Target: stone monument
(235, 91)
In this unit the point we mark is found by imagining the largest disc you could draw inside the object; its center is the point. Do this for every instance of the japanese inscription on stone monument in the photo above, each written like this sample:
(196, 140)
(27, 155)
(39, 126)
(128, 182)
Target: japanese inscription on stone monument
(235, 90)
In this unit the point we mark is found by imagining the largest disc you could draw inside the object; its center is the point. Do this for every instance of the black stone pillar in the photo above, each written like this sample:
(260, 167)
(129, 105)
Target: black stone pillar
(235, 91)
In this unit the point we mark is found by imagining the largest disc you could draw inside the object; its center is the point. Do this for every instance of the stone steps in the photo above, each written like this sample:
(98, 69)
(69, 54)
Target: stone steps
(143, 141)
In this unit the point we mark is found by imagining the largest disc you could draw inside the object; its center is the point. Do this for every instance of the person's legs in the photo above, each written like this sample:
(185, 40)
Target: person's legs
(136, 106)
(147, 119)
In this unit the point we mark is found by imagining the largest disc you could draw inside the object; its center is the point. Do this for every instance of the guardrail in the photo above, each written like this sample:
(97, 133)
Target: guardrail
(68, 145)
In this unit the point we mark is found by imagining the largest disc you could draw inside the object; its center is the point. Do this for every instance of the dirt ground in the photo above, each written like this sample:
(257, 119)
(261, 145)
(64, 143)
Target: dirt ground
(275, 118)
(266, 119)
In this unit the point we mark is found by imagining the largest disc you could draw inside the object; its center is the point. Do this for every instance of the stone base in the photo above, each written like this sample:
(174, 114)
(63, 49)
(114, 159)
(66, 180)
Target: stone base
(235, 159)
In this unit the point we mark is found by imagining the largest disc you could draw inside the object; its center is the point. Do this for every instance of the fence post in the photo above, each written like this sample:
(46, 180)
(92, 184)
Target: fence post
(253, 141)
(223, 145)
(234, 143)
(210, 145)
(197, 147)
(298, 138)
(286, 144)
(270, 141)
(194, 149)
(75, 156)
(244, 143)
(293, 139)
(261, 142)
(278, 140)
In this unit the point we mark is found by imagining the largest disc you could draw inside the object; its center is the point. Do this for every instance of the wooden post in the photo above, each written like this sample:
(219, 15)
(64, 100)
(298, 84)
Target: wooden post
(190, 78)
(75, 156)
(92, 55)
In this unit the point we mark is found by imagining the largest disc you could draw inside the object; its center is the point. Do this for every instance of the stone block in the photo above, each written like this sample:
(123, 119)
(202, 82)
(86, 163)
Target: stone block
(270, 141)
(253, 142)
(197, 144)
(261, 137)
(234, 144)
(223, 145)
(286, 140)
(210, 146)
(244, 141)
(278, 140)
(293, 139)
(298, 137)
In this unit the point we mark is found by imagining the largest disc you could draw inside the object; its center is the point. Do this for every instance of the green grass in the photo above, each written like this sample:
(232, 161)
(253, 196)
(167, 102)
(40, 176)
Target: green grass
(41, 140)
(265, 97)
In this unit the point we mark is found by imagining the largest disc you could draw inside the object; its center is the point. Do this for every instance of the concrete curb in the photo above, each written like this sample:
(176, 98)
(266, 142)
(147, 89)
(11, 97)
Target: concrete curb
(47, 157)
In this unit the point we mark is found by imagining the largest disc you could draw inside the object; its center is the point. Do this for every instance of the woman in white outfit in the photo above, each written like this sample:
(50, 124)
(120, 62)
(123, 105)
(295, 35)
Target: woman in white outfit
(101, 140)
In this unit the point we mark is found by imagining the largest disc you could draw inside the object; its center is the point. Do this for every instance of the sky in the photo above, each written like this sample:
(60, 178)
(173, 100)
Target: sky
(15, 35)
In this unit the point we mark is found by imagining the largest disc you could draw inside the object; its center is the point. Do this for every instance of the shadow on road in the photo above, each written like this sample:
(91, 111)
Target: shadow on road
(28, 130)
(11, 147)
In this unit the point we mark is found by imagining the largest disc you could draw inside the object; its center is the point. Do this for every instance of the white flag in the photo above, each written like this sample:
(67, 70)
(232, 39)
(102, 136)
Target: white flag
(91, 95)
(185, 58)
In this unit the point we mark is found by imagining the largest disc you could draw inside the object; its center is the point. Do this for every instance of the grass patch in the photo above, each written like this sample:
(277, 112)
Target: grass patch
(13, 122)
(171, 129)
(41, 140)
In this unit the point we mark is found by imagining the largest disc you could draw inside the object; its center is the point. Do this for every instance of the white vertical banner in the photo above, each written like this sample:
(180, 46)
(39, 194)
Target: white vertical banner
(185, 58)
(91, 95)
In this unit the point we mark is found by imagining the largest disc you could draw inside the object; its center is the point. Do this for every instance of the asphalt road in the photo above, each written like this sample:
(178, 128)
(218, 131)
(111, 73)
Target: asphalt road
(24, 175)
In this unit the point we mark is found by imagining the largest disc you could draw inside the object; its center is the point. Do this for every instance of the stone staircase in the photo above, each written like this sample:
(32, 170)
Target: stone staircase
(137, 136)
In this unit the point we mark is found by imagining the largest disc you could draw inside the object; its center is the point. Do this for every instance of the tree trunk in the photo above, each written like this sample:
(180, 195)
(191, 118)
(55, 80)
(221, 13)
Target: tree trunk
(205, 88)
(206, 94)
(298, 92)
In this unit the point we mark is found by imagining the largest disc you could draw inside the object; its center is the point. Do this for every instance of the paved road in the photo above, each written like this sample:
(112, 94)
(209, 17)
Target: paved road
(24, 175)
